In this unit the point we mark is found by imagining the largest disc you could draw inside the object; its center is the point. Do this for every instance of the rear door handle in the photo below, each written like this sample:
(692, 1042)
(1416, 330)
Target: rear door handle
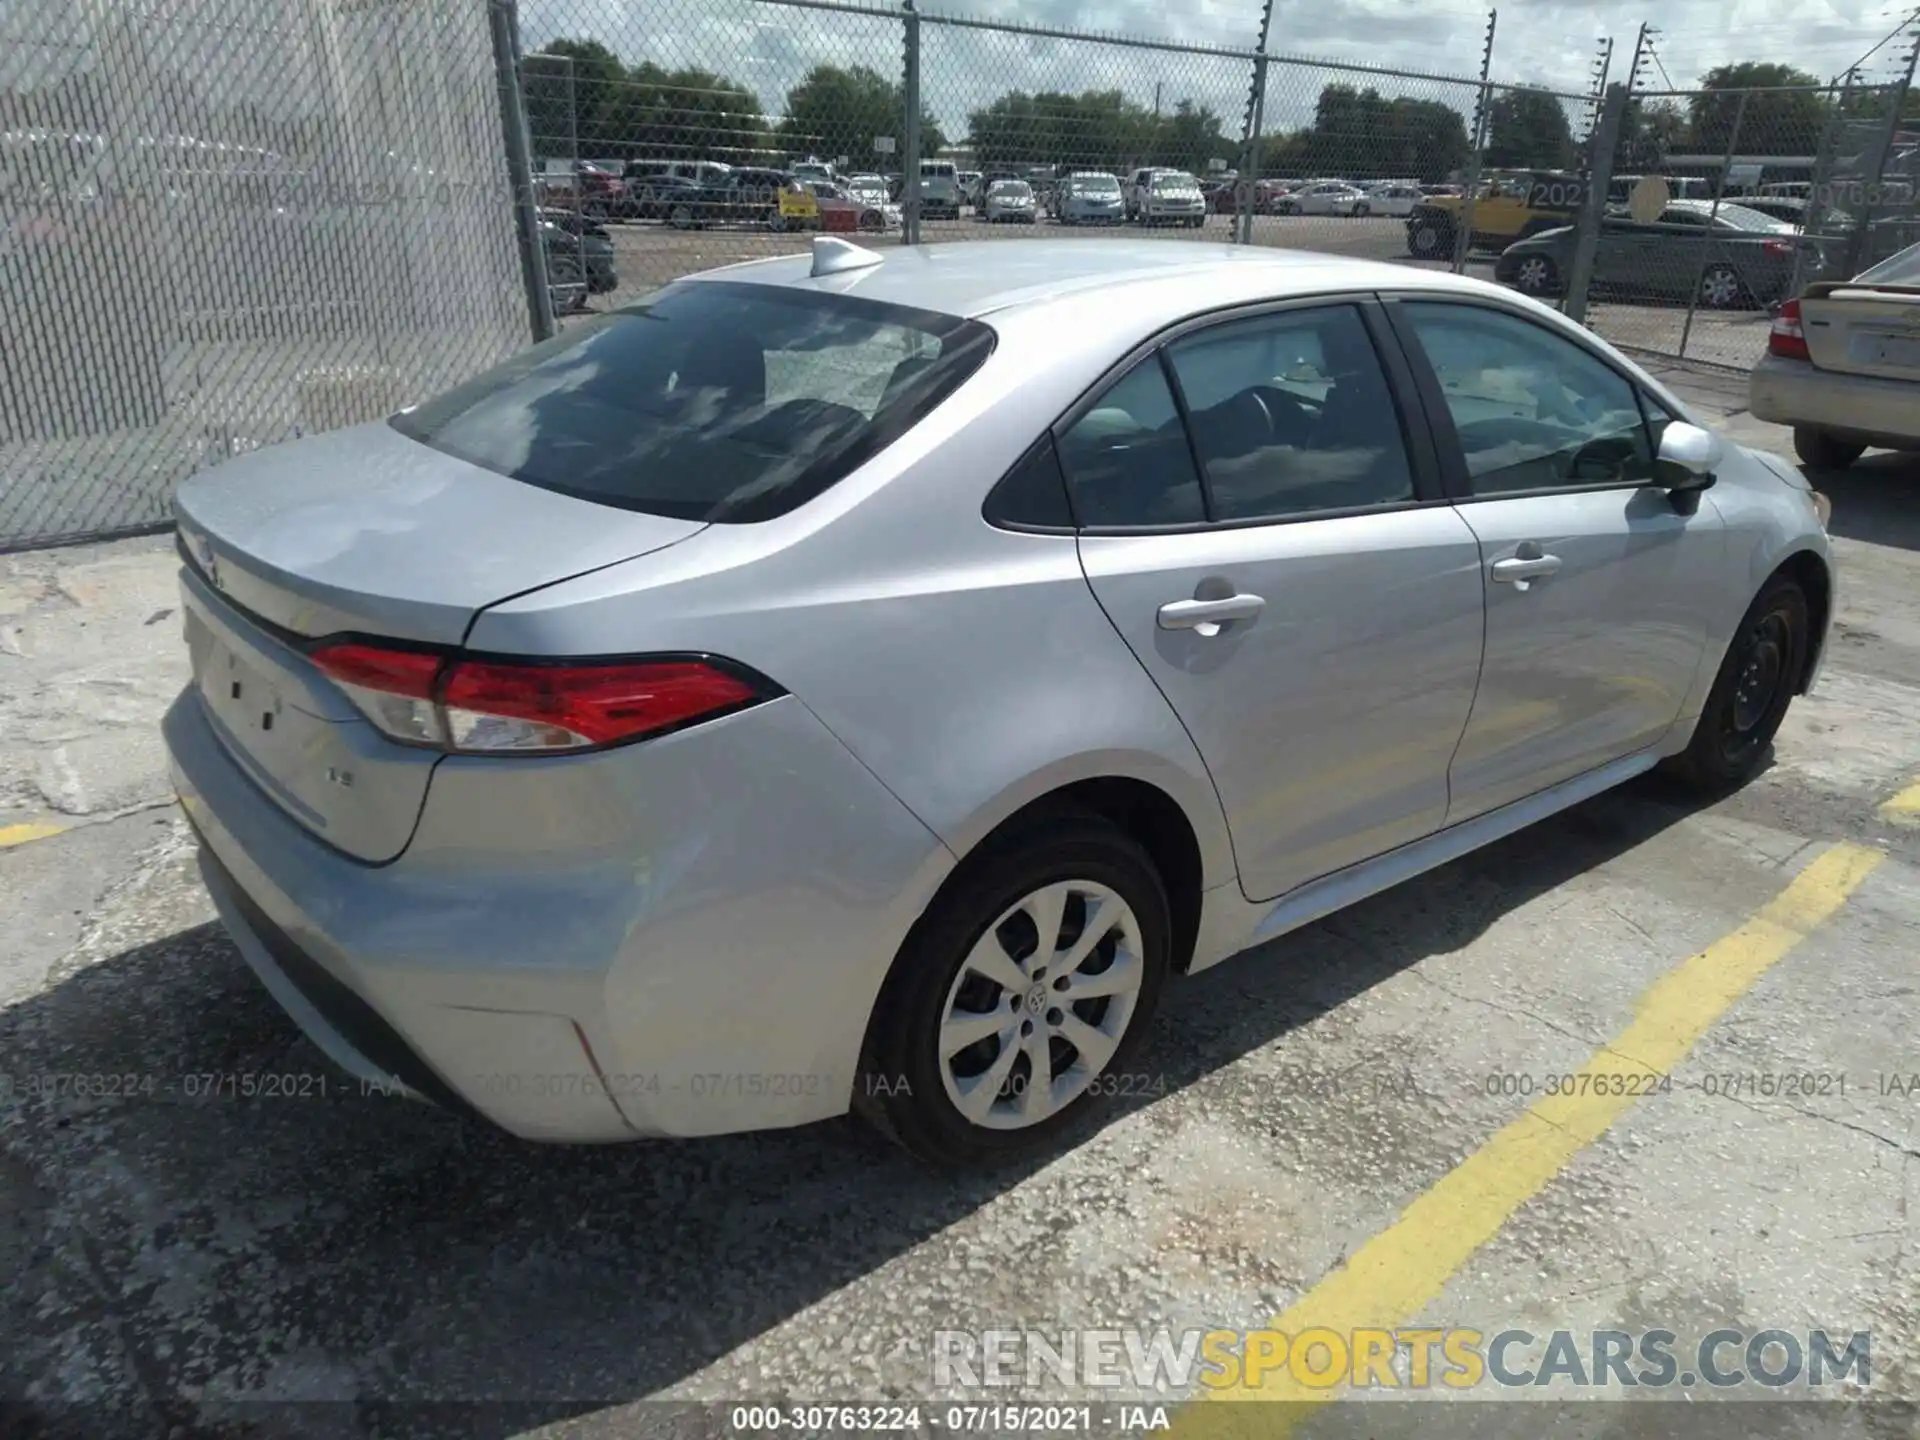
(1207, 616)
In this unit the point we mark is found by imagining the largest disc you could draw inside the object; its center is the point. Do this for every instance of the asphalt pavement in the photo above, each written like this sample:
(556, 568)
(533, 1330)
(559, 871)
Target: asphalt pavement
(207, 1230)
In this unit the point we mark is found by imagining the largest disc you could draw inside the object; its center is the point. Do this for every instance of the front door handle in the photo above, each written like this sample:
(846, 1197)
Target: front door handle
(1525, 565)
(1207, 616)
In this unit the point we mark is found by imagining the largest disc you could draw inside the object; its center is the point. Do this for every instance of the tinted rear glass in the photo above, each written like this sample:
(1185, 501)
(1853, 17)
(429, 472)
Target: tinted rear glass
(1900, 269)
(708, 400)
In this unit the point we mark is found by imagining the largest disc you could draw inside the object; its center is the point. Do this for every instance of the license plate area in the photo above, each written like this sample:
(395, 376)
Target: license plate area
(253, 708)
(1898, 352)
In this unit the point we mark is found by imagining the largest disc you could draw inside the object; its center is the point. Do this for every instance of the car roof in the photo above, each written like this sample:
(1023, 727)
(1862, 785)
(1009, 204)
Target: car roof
(976, 278)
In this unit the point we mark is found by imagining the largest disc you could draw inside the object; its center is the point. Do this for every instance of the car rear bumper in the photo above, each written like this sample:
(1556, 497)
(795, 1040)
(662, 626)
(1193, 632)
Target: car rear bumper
(1863, 408)
(681, 938)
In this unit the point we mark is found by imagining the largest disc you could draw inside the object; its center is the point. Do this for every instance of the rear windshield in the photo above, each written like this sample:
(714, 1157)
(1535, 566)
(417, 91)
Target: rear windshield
(1900, 269)
(708, 400)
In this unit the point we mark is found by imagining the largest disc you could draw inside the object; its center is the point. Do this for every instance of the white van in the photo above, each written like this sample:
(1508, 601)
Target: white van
(939, 190)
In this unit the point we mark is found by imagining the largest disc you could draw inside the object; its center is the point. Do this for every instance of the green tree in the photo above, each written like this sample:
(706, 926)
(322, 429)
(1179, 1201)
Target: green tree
(1095, 130)
(1648, 134)
(1786, 110)
(688, 114)
(1364, 135)
(568, 85)
(836, 111)
(584, 102)
(1527, 129)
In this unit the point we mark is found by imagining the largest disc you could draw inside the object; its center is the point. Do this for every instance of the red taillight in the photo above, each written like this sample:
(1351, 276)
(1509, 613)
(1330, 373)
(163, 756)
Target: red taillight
(407, 673)
(1779, 249)
(492, 707)
(1786, 337)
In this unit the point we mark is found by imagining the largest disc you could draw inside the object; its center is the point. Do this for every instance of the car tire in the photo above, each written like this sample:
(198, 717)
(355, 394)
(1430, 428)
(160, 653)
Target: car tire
(1536, 275)
(872, 221)
(1429, 240)
(680, 217)
(1721, 288)
(911, 1092)
(1758, 678)
(1823, 450)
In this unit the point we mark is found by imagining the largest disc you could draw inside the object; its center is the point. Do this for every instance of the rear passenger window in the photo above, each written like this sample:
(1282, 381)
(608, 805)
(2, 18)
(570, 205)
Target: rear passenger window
(1291, 415)
(1127, 459)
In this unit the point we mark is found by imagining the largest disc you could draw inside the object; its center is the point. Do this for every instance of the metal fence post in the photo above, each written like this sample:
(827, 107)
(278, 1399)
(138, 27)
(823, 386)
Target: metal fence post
(1593, 210)
(1482, 123)
(505, 20)
(1247, 188)
(910, 129)
(1706, 235)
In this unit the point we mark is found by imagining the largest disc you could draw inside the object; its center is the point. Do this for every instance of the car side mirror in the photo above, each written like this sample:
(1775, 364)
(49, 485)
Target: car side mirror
(1688, 462)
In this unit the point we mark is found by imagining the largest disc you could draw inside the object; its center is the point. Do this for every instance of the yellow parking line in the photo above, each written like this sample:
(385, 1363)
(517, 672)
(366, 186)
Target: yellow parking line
(1404, 1268)
(1904, 808)
(21, 834)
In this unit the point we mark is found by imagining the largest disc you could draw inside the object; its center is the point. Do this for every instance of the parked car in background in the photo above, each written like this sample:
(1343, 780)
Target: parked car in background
(971, 189)
(866, 209)
(1729, 258)
(807, 171)
(1090, 200)
(1784, 208)
(939, 190)
(628, 648)
(1135, 187)
(1328, 197)
(579, 254)
(1394, 199)
(1843, 365)
(772, 198)
(1510, 206)
(1172, 197)
(602, 193)
(652, 197)
(1011, 201)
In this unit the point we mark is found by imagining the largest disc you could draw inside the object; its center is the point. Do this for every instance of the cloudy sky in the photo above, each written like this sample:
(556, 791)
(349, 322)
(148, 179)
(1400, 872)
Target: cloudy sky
(768, 46)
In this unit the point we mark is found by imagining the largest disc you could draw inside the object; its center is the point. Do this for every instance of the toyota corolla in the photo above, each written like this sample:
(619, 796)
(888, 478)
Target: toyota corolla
(865, 682)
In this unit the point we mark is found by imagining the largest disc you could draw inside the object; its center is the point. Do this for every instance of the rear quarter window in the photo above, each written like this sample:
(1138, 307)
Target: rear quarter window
(709, 401)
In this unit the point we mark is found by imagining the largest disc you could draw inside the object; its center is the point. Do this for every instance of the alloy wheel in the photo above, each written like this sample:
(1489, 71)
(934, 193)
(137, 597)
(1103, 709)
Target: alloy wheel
(1040, 1004)
(1534, 274)
(1719, 288)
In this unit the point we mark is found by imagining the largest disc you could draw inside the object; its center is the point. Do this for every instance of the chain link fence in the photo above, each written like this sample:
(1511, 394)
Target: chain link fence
(225, 223)
(231, 221)
(1723, 203)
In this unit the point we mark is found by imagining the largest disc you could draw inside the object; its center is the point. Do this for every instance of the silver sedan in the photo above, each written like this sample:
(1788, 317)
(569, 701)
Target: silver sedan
(1011, 202)
(867, 680)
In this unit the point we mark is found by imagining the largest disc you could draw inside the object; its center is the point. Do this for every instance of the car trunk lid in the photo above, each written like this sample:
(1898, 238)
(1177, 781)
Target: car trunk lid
(361, 532)
(1863, 329)
(365, 530)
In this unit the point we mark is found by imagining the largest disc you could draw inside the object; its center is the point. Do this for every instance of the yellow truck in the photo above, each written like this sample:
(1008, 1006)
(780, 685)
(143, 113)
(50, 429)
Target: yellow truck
(1511, 205)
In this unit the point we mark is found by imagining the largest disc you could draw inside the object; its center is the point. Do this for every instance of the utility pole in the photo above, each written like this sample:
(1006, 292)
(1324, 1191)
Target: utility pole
(1463, 239)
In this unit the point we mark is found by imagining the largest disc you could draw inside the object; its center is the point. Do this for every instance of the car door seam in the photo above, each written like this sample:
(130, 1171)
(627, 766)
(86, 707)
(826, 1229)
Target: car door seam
(1174, 710)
